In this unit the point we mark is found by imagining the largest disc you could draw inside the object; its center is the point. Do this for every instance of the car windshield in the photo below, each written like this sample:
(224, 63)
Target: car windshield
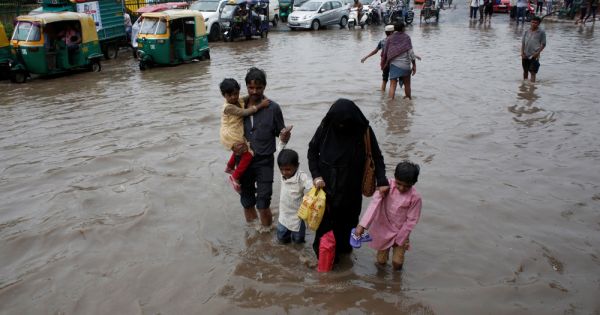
(153, 26)
(27, 31)
(310, 6)
(205, 6)
(228, 11)
(299, 3)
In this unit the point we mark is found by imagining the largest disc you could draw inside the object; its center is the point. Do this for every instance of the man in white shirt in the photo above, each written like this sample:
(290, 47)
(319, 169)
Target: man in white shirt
(521, 7)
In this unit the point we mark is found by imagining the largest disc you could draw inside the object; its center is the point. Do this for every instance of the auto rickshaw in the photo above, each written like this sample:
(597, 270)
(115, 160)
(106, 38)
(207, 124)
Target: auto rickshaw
(51, 43)
(245, 18)
(172, 37)
(4, 53)
(285, 8)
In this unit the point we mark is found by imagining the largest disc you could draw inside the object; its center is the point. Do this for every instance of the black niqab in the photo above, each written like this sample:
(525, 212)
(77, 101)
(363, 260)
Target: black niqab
(344, 126)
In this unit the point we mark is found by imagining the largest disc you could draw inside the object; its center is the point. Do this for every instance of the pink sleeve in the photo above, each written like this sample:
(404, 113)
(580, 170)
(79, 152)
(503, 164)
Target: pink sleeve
(369, 215)
(412, 217)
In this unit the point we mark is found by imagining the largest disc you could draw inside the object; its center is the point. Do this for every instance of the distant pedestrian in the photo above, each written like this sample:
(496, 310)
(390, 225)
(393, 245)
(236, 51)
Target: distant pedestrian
(549, 7)
(513, 9)
(539, 6)
(474, 7)
(481, 9)
(389, 29)
(532, 45)
(488, 10)
(592, 11)
(585, 8)
(521, 7)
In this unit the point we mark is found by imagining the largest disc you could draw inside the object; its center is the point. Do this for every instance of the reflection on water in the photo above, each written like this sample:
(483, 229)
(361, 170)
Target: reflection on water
(530, 114)
(113, 198)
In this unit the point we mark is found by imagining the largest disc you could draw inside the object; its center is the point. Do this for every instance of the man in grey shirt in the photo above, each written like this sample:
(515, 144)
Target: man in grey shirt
(534, 41)
(260, 130)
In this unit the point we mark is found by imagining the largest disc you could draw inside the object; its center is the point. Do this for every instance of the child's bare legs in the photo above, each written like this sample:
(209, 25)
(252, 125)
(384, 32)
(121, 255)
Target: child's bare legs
(245, 158)
(398, 257)
(383, 84)
(393, 84)
(382, 256)
(406, 82)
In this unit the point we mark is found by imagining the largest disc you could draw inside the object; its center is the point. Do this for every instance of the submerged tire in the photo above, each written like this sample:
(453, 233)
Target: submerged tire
(315, 25)
(111, 52)
(143, 66)
(343, 21)
(18, 76)
(215, 32)
(95, 66)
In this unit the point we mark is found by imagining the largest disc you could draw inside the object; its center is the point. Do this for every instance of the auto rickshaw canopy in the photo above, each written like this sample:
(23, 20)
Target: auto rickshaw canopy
(170, 15)
(88, 26)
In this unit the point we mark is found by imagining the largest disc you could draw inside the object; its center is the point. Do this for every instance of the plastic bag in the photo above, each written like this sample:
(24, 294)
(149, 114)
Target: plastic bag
(326, 252)
(312, 208)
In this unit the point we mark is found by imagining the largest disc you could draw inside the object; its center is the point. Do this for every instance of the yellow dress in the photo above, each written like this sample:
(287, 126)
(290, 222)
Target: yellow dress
(232, 123)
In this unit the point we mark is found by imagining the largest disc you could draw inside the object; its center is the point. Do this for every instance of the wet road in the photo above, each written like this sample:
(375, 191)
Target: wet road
(113, 197)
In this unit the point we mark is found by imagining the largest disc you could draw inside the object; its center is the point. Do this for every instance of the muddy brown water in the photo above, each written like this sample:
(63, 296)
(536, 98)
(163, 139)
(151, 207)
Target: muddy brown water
(113, 198)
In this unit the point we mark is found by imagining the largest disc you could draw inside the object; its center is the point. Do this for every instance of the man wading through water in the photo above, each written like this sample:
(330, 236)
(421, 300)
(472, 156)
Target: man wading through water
(534, 41)
(261, 129)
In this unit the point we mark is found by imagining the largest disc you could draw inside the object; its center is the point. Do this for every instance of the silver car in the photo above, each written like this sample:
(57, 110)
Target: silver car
(314, 14)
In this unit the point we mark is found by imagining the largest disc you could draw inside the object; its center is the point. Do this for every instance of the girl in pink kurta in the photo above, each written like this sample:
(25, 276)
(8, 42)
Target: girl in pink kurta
(390, 218)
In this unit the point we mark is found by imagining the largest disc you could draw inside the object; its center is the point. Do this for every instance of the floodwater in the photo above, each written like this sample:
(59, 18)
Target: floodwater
(113, 198)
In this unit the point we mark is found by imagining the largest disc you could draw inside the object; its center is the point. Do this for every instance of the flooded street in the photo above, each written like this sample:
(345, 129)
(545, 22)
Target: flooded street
(113, 198)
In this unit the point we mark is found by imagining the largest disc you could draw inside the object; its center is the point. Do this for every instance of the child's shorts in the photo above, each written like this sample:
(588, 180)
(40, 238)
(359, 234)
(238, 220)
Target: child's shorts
(531, 64)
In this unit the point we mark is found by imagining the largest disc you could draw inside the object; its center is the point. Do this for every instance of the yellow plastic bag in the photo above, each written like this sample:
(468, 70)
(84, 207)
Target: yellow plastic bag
(312, 208)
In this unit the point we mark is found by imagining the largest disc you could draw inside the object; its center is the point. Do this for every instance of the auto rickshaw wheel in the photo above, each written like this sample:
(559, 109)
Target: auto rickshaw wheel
(111, 51)
(19, 76)
(95, 66)
(143, 65)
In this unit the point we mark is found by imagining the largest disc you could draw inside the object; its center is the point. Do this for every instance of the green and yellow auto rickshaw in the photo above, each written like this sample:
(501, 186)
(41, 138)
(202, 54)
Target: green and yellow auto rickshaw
(285, 8)
(4, 53)
(172, 37)
(51, 43)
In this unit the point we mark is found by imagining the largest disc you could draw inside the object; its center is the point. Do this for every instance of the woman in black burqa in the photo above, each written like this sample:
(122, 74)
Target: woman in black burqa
(336, 159)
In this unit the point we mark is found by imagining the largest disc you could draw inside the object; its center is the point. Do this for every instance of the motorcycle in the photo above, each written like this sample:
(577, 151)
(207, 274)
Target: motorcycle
(396, 13)
(353, 17)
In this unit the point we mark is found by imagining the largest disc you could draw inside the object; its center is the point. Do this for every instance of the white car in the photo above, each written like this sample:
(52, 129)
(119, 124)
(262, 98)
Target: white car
(315, 14)
(210, 11)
